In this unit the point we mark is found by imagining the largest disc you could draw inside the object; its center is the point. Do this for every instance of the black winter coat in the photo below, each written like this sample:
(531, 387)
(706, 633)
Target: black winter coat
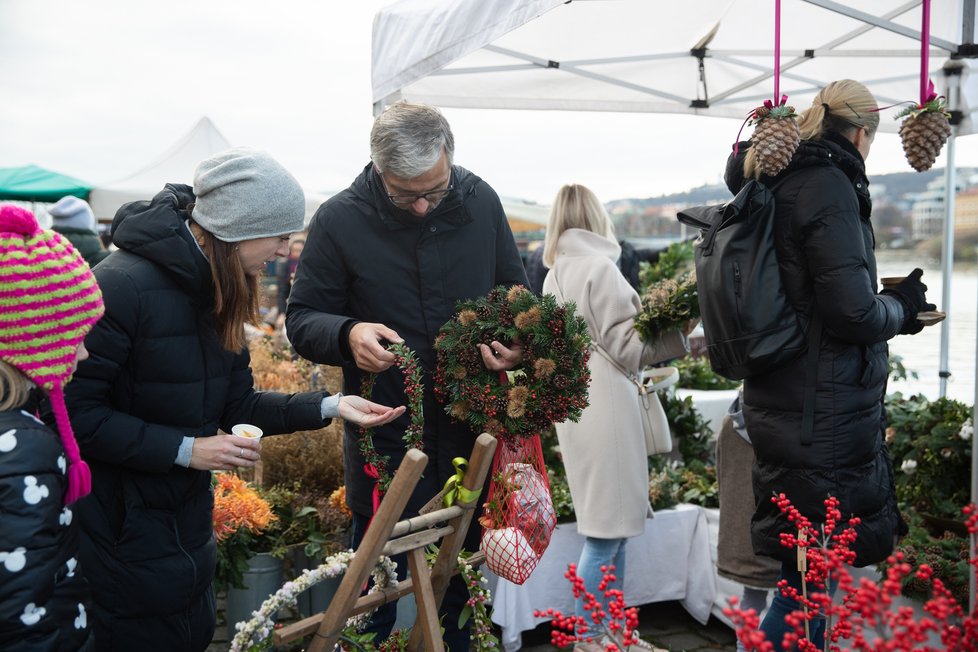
(157, 372)
(44, 598)
(825, 252)
(365, 260)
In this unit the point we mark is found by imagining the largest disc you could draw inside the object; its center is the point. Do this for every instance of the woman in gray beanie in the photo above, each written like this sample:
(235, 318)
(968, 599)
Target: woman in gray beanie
(168, 372)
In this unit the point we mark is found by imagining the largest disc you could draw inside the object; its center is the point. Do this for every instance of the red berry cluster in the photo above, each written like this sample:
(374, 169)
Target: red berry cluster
(866, 607)
(613, 621)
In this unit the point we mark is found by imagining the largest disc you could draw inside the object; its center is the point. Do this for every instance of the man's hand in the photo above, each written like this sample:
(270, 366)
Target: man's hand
(497, 357)
(224, 453)
(368, 414)
(367, 347)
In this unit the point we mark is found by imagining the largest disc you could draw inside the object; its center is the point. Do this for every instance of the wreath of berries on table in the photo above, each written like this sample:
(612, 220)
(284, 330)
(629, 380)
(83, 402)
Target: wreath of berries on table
(551, 384)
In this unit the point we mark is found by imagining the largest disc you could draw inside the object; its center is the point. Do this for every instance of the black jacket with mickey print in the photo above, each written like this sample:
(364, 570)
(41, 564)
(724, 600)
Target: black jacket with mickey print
(44, 598)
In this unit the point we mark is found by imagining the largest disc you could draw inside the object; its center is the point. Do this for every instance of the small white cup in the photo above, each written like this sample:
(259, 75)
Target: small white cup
(247, 431)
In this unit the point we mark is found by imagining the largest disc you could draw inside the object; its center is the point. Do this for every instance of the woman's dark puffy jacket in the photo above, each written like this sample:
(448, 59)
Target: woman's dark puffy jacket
(157, 373)
(825, 251)
(44, 599)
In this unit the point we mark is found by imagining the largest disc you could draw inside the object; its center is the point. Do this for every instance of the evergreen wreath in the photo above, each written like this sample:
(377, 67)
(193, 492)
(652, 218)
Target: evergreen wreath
(551, 384)
(407, 362)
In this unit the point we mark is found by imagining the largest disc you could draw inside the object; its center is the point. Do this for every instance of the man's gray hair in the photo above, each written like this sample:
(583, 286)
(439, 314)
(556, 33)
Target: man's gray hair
(408, 139)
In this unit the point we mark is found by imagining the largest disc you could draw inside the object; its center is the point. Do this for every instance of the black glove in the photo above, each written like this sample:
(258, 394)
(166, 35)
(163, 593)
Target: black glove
(910, 291)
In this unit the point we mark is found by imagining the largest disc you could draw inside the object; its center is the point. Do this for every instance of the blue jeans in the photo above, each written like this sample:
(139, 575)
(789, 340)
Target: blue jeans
(598, 553)
(774, 626)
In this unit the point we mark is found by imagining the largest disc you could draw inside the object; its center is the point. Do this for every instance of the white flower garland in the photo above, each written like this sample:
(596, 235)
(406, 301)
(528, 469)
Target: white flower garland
(254, 634)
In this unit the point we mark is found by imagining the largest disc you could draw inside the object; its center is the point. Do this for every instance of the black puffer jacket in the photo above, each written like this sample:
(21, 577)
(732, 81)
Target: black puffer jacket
(157, 373)
(44, 598)
(825, 251)
(365, 260)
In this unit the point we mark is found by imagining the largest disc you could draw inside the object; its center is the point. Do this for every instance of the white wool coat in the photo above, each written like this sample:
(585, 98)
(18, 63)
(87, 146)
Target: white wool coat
(604, 453)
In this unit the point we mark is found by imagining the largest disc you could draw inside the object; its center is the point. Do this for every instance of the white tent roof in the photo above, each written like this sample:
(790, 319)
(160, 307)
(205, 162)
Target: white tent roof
(176, 165)
(641, 56)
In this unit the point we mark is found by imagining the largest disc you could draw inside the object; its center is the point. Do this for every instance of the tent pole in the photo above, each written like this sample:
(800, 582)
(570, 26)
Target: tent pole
(952, 76)
(947, 260)
(968, 36)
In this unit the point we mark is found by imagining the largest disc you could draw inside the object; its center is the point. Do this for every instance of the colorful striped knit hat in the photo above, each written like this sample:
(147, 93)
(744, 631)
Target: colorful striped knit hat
(49, 300)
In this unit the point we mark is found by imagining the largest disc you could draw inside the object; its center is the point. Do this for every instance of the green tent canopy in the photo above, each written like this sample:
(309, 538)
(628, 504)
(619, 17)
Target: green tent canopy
(33, 183)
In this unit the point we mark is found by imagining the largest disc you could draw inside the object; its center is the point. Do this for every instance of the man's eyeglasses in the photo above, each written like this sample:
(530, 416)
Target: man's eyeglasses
(432, 197)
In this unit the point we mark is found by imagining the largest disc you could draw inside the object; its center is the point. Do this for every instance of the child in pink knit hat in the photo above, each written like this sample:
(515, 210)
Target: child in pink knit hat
(49, 300)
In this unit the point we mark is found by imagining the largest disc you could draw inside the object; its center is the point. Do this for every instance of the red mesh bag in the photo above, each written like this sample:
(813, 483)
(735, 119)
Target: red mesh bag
(519, 514)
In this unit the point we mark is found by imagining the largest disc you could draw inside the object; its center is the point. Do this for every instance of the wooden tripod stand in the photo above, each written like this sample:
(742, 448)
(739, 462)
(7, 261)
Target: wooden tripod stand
(384, 536)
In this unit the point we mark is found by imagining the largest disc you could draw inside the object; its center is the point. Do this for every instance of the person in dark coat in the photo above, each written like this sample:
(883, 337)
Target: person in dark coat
(168, 372)
(44, 598)
(73, 218)
(825, 244)
(386, 260)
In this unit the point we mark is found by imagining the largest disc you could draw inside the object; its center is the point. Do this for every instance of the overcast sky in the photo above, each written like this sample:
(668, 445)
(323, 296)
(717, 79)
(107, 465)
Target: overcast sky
(99, 88)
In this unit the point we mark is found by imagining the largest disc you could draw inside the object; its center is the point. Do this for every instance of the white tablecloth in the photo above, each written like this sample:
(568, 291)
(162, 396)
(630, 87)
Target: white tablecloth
(671, 561)
(711, 404)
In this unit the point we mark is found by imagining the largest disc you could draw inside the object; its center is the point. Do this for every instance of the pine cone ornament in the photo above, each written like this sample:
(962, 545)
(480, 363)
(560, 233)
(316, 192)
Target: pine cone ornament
(924, 133)
(776, 137)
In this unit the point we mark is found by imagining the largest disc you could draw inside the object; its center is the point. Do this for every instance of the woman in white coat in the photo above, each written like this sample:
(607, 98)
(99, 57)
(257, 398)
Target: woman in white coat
(604, 453)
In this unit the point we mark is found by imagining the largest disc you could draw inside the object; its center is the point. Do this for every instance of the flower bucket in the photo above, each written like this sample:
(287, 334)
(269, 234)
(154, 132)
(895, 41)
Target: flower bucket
(262, 578)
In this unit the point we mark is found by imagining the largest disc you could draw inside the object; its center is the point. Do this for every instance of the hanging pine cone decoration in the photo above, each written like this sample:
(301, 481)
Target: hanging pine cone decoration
(776, 137)
(924, 132)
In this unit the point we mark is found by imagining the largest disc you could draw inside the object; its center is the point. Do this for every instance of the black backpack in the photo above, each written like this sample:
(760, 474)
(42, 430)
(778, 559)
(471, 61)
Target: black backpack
(749, 325)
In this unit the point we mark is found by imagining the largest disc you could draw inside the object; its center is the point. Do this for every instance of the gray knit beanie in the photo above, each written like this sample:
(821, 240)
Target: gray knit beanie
(73, 212)
(244, 194)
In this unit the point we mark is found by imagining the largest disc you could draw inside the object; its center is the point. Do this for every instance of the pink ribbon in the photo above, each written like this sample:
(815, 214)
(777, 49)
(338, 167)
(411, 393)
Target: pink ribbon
(777, 75)
(777, 48)
(925, 92)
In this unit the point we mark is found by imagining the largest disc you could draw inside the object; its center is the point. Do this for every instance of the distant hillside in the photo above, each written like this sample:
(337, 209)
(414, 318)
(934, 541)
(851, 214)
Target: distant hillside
(890, 187)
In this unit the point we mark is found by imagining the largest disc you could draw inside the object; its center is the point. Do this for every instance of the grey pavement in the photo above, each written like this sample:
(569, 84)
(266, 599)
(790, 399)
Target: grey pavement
(665, 624)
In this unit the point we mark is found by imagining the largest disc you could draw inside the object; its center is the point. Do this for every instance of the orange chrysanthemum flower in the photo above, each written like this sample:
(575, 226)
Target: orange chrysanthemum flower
(237, 505)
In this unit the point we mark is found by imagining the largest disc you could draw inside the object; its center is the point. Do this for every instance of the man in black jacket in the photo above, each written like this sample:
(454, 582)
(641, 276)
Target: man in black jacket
(386, 260)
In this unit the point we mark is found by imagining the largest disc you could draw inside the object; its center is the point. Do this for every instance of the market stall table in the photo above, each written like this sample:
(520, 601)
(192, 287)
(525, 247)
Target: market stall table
(670, 561)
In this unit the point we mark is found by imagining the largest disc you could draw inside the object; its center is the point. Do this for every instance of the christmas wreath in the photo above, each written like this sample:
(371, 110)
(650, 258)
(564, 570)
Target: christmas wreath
(550, 386)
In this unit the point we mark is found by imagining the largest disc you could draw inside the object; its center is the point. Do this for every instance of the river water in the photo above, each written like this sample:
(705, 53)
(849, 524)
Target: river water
(921, 352)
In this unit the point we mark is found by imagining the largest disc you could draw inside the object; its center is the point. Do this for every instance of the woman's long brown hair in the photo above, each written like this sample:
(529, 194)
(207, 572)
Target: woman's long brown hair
(236, 294)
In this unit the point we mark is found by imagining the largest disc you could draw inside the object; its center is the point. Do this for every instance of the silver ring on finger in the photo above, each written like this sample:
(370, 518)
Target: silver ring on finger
(241, 453)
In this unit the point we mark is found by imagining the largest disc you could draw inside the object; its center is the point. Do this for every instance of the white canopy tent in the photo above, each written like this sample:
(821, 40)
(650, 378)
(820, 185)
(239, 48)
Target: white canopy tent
(708, 57)
(176, 165)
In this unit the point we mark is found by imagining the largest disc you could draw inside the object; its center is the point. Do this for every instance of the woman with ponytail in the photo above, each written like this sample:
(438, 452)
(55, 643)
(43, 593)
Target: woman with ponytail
(825, 242)
(49, 301)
